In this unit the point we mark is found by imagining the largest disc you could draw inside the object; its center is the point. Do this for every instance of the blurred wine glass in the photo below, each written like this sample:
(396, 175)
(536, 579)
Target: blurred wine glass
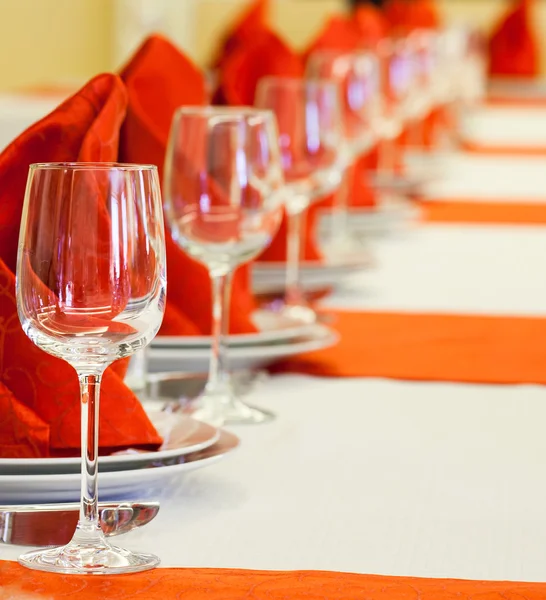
(311, 143)
(358, 77)
(223, 189)
(91, 289)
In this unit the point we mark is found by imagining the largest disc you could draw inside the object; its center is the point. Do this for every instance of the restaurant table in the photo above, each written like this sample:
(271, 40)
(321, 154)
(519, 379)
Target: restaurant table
(382, 476)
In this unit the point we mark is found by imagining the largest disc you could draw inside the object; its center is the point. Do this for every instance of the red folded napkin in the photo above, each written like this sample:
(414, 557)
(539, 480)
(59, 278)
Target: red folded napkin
(371, 24)
(159, 78)
(338, 33)
(253, 19)
(362, 30)
(513, 47)
(266, 54)
(404, 16)
(39, 394)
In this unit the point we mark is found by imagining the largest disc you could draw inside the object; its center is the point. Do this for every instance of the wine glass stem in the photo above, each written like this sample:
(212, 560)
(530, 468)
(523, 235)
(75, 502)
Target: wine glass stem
(218, 379)
(88, 524)
(294, 294)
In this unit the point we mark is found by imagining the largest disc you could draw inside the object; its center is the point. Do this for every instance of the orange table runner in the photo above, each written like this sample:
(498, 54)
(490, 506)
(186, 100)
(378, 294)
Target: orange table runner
(221, 584)
(431, 347)
(468, 211)
(499, 150)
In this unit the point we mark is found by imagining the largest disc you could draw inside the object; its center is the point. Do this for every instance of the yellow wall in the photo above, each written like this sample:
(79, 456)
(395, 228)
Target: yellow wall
(52, 41)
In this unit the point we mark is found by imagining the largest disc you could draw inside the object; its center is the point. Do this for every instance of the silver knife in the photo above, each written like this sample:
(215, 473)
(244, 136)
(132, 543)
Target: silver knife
(54, 524)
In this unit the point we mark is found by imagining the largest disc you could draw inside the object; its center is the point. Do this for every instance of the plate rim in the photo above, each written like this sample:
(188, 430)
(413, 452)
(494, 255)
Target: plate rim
(125, 459)
(144, 474)
(325, 338)
(236, 339)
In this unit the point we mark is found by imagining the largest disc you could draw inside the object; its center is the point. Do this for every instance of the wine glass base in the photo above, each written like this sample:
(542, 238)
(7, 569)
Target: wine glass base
(97, 559)
(299, 312)
(248, 415)
(217, 411)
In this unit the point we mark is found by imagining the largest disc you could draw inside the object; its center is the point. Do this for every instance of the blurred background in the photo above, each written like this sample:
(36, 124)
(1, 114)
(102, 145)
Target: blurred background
(65, 42)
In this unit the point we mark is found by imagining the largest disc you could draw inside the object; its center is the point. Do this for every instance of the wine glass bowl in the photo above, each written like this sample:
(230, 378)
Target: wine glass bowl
(91, 289)
(358, 77)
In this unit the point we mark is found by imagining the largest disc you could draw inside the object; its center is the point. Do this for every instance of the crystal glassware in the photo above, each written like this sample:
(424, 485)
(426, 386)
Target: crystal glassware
(359, 80)
(223, 187)
(90, 290)
(311, 141)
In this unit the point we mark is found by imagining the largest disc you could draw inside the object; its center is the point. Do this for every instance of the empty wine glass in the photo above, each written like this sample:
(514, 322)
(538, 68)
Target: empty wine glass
(358, 77)
(90, 290)
(311, 140)
(223, 201)
(397, 73)
(422, 45)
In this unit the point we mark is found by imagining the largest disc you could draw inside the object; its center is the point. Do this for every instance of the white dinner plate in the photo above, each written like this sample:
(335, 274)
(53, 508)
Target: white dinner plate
(390, 215)
(270, 277)
(143, 483)
(181, 435)
(272, 327)
(196, 360)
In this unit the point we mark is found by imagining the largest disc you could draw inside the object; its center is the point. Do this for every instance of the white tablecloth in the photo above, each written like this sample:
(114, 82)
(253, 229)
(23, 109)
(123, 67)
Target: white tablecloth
(388, 477)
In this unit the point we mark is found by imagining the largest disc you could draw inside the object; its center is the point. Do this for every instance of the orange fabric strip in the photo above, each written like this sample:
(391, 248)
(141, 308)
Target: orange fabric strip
(223, 584)
(431, 347)
(455, 211)
(477, 148)
(516, 101)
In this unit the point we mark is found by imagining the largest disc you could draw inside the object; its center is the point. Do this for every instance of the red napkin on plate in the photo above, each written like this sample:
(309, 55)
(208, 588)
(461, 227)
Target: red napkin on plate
(159, 79)
(513, 47)
(338, 33)
(266, 54)
(371, 24)
(254, 18)
(404, 16)
(39, 394)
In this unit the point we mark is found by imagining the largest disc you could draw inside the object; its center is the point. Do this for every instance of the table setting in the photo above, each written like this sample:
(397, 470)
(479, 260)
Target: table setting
(276, 330)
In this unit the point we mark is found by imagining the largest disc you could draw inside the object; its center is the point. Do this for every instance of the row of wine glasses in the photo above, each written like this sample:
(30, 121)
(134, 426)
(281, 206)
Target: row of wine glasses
(91, 273)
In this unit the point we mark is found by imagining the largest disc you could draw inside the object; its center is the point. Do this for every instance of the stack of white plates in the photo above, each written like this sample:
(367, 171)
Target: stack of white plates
(188, 445)
(277, 337)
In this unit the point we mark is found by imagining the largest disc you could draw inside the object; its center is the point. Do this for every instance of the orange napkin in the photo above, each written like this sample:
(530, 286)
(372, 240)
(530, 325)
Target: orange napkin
(371, 24)
(338, 33)
(513, 47)
(266, 54)
(404, 16)
(431, 347)
(237, 584)
(39, 394)
(159, 78)
(362, 30)
(253, 19)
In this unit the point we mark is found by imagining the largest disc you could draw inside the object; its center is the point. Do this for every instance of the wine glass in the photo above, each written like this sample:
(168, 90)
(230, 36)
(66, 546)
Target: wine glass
(358, 76)
(311, 140)
(223, 189)
(90, 290)
(423, 47)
